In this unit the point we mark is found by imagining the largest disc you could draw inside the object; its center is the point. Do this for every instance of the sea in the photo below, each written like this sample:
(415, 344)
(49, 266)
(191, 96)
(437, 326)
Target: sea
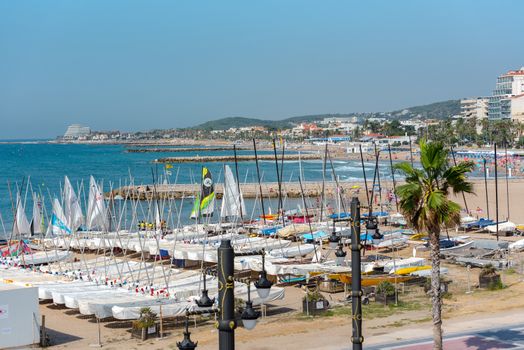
(29, 166)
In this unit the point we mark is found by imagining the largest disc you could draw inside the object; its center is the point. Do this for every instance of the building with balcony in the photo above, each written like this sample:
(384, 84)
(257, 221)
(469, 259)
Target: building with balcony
(476, 107)
(507, 101)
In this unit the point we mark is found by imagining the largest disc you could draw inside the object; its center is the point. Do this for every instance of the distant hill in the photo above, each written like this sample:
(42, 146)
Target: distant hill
(240, 122)
(438, 110)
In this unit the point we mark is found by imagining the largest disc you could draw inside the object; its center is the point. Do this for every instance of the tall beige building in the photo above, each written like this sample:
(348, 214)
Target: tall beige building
(474, 108)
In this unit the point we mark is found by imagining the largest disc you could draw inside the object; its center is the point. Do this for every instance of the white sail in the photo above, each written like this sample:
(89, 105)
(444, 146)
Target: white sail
(58, 220)
(21, 226)
(232, 201)
(73, 211)
(96, 208)
(158, 221)
(37, 214)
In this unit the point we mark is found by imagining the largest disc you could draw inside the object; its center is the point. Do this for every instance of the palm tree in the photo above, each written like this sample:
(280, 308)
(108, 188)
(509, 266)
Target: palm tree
(425, 204)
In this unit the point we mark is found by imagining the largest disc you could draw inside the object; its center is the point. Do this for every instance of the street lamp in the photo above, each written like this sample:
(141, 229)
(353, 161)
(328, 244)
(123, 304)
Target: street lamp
(263, 285)
(372, 228)
(227, 322)
(340, 255)
(249, 315)
(333, 238)
(205, 300)
(187, 343)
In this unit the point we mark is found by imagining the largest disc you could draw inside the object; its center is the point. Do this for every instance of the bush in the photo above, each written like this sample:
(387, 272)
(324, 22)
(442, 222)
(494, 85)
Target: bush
(488, 270)
(146, 319)
(313, 296)
(385, 288)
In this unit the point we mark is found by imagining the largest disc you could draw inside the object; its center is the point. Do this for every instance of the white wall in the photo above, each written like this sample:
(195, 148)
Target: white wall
(18, 312)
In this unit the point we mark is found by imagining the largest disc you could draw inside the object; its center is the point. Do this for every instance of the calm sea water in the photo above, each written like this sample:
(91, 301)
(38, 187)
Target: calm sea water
(42, 167)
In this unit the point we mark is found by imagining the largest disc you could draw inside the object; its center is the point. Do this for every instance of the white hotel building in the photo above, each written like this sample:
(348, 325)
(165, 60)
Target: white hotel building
(75, 131)
(507, 101)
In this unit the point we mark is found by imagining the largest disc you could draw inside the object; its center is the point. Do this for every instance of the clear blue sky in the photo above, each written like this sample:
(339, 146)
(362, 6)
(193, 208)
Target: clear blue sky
(135, 65)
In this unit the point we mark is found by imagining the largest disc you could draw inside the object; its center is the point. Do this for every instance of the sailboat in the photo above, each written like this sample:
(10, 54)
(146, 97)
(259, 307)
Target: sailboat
(97, 218)
(72, 209)
(21, 225)
(58, 224)
(232, 201)
(38, 220)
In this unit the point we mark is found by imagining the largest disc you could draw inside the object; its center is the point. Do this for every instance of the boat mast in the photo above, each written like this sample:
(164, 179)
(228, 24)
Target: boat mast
(322, 193)
(486, 185)
(259, 184)
(280, 206)
(307, 216)
(507, 180)
(410, 151)
(238, 184)
(463, 195)
(364, 173)
(393, 176)
(496, 191)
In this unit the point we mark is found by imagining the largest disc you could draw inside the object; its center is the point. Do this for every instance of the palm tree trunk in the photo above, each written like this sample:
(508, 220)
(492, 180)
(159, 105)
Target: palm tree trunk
(436, 299)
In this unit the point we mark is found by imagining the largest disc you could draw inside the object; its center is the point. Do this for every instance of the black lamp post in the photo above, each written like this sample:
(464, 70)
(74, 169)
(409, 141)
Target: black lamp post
(356, 279)
(227, 322)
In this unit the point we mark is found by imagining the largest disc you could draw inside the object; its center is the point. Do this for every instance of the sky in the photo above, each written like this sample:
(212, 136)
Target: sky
(139, 65)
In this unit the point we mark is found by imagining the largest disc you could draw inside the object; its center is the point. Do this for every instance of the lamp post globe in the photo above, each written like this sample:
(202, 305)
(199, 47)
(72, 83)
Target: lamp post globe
(340, 256)
(205, 300)
(263, 285)
(249, 316)
(333, 240)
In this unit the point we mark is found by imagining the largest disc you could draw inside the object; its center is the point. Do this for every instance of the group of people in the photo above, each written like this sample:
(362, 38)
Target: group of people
(144, 226)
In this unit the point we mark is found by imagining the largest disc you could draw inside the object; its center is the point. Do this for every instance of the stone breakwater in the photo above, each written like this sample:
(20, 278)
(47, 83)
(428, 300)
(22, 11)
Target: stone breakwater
(182, 149)
(249, 190)
(239, 158)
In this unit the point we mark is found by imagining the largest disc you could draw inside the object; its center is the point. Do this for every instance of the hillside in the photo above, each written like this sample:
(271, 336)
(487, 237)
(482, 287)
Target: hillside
(438, 110)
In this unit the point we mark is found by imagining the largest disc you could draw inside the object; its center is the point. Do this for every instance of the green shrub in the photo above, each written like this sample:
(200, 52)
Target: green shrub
(488, 270)
(385, 288)
(146, 319)
(313, 296)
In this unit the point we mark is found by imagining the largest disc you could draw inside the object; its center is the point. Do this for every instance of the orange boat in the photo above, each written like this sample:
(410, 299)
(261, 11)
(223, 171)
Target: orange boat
(269, 216)
(367, 280)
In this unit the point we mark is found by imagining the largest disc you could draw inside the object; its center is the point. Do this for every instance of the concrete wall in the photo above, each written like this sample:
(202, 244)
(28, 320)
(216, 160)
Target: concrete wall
(19, 313)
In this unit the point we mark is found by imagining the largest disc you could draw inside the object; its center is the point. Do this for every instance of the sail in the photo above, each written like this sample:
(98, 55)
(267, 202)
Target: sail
(204, 204)
(207, 201)
(232, 201)
(21, 226)
(58, 220)
(96, 208)
(158, 221)
(37, 223)
(196, 207)
(73, 211)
